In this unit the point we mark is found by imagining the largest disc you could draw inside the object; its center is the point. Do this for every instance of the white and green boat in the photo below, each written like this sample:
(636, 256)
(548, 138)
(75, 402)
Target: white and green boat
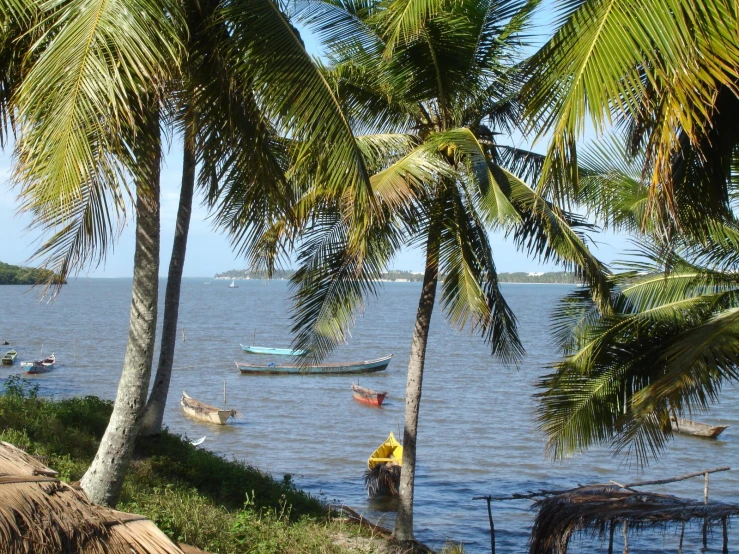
(9, 358)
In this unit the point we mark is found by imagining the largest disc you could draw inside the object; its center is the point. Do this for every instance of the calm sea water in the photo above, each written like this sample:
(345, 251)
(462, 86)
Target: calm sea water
(477, 433)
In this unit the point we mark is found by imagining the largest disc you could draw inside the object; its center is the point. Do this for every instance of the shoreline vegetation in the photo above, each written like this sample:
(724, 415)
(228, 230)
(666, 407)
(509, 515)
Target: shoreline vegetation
(549, 277)
(171, 482)
(18, 275)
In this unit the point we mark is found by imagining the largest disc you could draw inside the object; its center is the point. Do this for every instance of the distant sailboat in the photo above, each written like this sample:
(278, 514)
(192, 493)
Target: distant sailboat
(233, 284)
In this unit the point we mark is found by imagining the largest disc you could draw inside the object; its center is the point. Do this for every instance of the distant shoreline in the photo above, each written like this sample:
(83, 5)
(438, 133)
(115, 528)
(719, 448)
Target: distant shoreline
(396, 276)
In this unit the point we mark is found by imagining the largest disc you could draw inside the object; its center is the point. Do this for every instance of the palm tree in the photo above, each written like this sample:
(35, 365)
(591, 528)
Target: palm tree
(665, 75)
(88, 119)
(669, 343)
(434, 99)
(242, 168)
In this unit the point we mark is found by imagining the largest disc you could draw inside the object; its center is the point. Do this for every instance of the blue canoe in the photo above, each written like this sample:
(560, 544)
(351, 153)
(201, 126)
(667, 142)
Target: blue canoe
(335, 368)
(273, 351)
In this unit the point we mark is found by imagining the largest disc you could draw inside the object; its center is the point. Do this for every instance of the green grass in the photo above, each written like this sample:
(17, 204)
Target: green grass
(193, 495)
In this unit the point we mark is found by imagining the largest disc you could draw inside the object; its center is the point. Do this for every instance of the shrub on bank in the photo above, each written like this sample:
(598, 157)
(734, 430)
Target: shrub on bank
(191, 494)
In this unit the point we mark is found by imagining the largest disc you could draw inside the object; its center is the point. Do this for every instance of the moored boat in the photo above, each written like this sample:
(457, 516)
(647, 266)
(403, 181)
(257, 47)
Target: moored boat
(9, 358)
(275, 351)
(39, 366)
(205, 412)
(335, 368)
(233, 284)
(688, 427)
(383, 468)
(368, 396)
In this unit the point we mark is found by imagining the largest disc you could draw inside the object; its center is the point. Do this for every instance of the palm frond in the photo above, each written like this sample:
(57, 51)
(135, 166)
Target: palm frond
(332, 281)
(77, 110)
(406, 19)
(470, 292)
(294, 94)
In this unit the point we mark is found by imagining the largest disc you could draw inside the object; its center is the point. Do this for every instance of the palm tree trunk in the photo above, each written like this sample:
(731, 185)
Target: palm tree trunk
(404, 522)
(154, 415)
(104, 478)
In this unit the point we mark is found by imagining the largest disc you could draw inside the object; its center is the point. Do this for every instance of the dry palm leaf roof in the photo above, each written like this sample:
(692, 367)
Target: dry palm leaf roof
(594, 508)
(41, 515)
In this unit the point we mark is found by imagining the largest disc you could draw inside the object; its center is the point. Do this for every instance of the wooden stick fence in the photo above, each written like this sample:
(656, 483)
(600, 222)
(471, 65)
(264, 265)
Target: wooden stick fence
(627, 486)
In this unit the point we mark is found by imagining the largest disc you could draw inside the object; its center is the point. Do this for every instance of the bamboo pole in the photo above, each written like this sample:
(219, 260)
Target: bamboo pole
(705, 502)
(725, 548)
(626, 537)
(682, 536)
(610, 538)
(492, 527)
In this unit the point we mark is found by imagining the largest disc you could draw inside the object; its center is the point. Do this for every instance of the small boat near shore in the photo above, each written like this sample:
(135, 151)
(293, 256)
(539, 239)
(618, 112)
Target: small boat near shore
(368, 396)
(205, 412)
(274, 351)
(696, 429)
(336, 368)
(233, 284)
(9, 358)
(39, 366)
(382, 477)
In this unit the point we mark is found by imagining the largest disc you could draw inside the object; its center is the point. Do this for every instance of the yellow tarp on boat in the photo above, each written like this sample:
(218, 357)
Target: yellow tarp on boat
(389, 451)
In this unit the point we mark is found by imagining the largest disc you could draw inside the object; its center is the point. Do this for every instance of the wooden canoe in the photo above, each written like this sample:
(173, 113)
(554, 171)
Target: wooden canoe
(688, 427)
(274, 351)
(39, 366)
(9, 358)
(336, 368)
(205, 412)
(368, 396)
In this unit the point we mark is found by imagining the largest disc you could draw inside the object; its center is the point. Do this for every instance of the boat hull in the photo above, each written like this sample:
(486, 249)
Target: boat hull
(389, 451)
(204, 412)
(687, 427)
(368, 396)
(370, 366)
(40, 366)
(274, 351)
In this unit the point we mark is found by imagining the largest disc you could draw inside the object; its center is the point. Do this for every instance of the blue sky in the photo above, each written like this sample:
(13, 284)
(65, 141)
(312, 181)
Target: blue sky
(208, 250)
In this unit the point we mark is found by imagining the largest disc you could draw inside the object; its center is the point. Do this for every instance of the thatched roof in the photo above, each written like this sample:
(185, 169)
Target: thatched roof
(39, 514)
(595, 508)
(13, 461)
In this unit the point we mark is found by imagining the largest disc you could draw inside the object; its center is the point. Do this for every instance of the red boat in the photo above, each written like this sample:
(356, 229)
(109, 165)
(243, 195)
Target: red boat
(368, 396)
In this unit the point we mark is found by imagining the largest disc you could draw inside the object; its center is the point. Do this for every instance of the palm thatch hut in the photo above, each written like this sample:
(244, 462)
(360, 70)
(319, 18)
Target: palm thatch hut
(598, 509)
(40, 514)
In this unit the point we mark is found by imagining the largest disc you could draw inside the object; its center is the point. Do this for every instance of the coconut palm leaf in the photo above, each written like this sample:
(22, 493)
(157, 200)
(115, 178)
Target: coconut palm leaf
(76, 112)
(333, 281)
(294, 94)
(462, 146)
(662, 75)
(470, 294)
(406, 18)
(667, 347)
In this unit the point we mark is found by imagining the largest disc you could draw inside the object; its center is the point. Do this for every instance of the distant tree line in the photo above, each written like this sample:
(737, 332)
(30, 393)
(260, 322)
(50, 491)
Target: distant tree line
(559, 277)
(244, 273)
(17, 275)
